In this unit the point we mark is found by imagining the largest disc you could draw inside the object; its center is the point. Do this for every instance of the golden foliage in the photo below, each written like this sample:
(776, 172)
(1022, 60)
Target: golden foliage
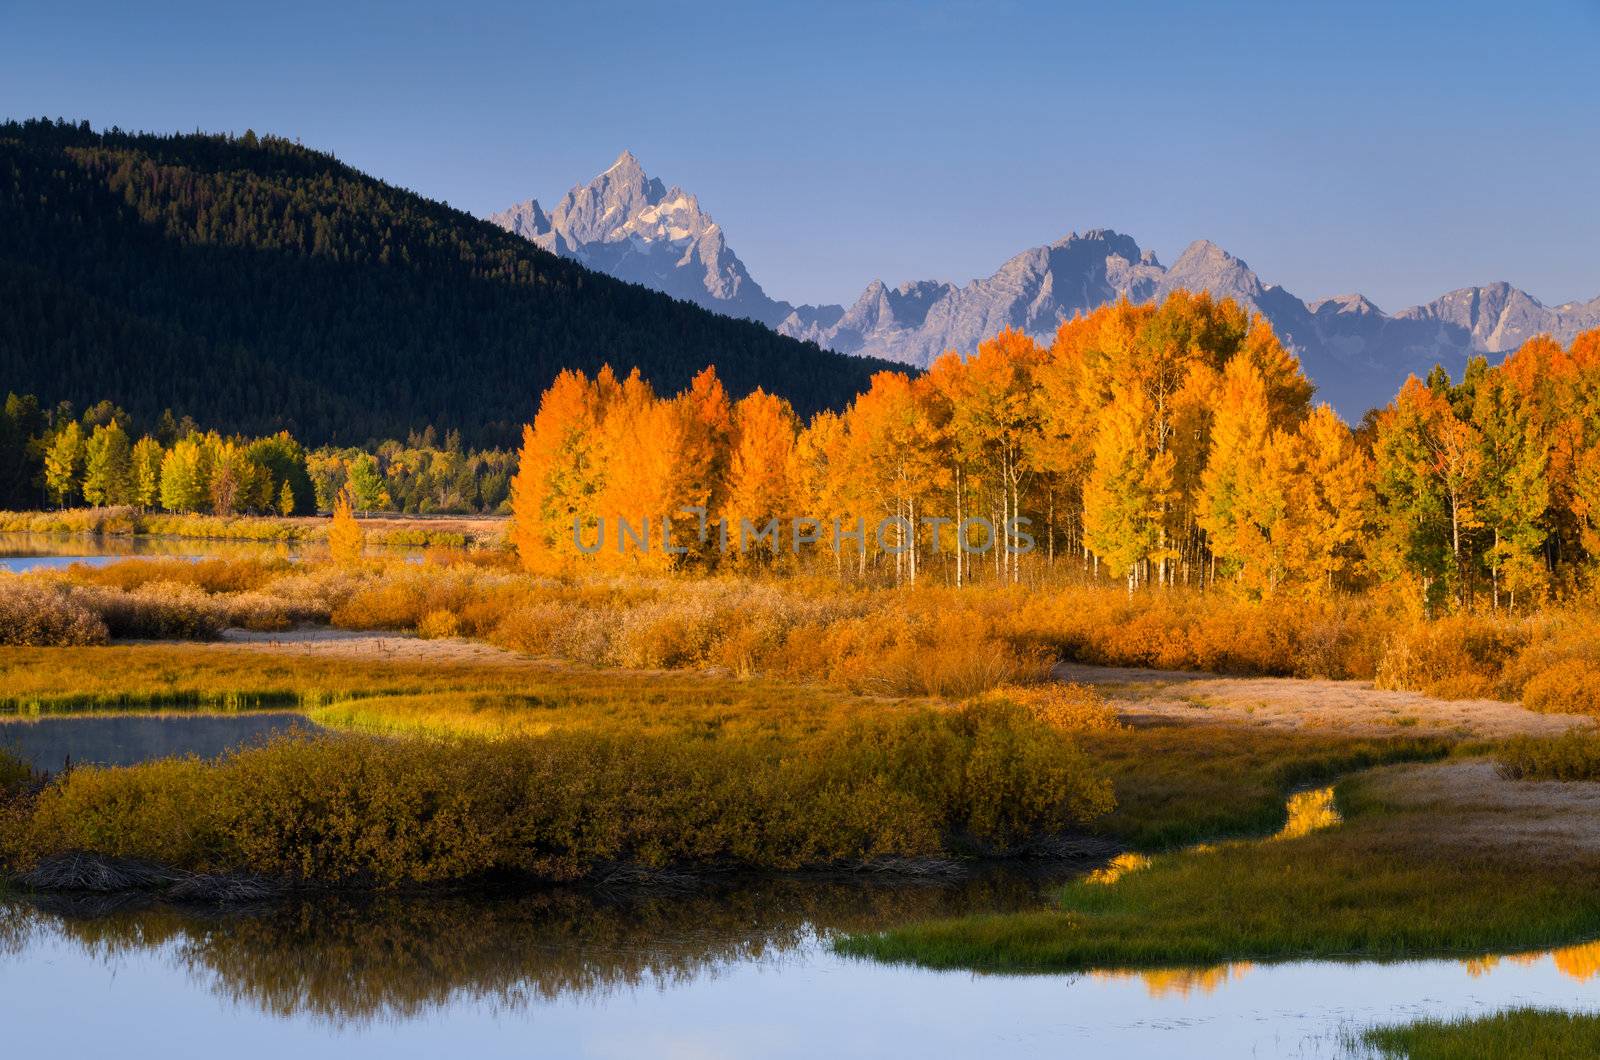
(563, 806)
(347, 542)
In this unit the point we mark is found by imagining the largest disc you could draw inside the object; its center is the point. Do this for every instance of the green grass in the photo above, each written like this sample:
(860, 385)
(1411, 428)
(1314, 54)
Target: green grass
(1546, 1034)
(503, 695)
(1378, 887)
(1181, 784)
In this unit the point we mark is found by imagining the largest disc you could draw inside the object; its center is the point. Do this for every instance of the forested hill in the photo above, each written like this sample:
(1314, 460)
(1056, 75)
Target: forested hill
(255, 284)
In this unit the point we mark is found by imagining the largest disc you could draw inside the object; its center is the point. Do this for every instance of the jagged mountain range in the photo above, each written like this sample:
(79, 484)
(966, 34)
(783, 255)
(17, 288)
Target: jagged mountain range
(629, 225)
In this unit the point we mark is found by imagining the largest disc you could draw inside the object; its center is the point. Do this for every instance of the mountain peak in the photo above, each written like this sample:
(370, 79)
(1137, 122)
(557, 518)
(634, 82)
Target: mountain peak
(1346, 304)
(628, 224)
(626, 160)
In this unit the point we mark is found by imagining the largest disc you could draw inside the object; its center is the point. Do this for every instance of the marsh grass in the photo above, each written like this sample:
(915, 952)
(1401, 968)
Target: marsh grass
(354, 810)
(1572, 756)
(928, 640)
(1376, 887)
(1544, 1034)
(1185, 783)
(506, 695)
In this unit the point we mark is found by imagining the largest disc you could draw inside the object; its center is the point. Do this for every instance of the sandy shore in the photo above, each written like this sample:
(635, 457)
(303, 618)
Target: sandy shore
(1295, 703)
(368, 645)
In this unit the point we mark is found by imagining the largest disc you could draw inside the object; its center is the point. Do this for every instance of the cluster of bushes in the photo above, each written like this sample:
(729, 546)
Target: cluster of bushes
(14, 774)
(924, 641)
(43, 614)
(360, 810)
(1574, 755)
(162, 599)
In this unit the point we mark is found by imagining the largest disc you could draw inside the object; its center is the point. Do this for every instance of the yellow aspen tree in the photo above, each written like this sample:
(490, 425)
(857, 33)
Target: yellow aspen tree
(1328, 487)
(347, 541)
(1122, 499)
(1240, 433)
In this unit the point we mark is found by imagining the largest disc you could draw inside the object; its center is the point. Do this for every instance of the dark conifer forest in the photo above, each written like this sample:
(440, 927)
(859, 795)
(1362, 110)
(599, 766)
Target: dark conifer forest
(258, 285)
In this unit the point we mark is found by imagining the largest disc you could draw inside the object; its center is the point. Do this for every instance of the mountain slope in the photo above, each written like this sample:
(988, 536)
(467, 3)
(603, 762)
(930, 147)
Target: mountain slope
(257, 284)
(627, 224)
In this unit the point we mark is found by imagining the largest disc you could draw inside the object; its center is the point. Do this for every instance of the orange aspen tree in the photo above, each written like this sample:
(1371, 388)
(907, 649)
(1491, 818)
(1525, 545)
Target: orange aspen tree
(559, 472)
(759, 490)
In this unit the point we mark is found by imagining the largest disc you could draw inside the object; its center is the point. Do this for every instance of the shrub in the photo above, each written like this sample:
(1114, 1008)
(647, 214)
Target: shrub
(1065, 706)
(43, 615)
(363, 810)
(14, 773)
(1570, 686)
(437, 624)
(1574, 755)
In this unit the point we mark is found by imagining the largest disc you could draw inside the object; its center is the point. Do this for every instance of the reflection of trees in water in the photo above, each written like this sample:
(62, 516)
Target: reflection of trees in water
(353, 960)
(1580, 962)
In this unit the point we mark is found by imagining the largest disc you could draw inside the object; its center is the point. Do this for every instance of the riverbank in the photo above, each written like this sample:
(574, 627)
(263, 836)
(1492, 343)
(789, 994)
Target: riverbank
(1431, 860)
(383, 528)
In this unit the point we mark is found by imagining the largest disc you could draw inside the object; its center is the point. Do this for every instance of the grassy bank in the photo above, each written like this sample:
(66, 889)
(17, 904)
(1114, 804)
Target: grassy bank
(1545, 1034)
(1181, 784)
(382, 529)
(928, 640)
(1404, 877)
(356, 810)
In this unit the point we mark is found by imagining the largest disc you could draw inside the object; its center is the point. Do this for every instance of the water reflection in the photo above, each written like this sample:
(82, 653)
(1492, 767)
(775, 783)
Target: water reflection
(1309, 811)
(1181, 982)
(351, 961)
(1581, 962)
(123, 739)
(21, 552)
(742, 971)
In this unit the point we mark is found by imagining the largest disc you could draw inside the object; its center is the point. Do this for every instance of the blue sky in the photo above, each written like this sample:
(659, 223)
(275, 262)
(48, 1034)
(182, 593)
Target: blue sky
(1396, 149)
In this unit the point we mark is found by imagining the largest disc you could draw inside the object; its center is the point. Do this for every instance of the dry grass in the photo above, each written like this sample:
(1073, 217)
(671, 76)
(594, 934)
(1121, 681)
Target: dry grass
(924, 641)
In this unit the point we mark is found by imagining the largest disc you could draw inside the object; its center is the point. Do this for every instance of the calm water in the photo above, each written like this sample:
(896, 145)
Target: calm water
(125, 739)
(742, 974)
(25, 552)
(742, 971)
(20, 553)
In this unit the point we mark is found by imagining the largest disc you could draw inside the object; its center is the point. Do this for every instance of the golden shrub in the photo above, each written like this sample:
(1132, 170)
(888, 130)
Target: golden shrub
(1569, 686)
(40, 615)
(436, 624)
(386, 812)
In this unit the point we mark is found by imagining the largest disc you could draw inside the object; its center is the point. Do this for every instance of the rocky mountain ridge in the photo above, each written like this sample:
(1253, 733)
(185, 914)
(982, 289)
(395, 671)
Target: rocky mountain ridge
(629, 225)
